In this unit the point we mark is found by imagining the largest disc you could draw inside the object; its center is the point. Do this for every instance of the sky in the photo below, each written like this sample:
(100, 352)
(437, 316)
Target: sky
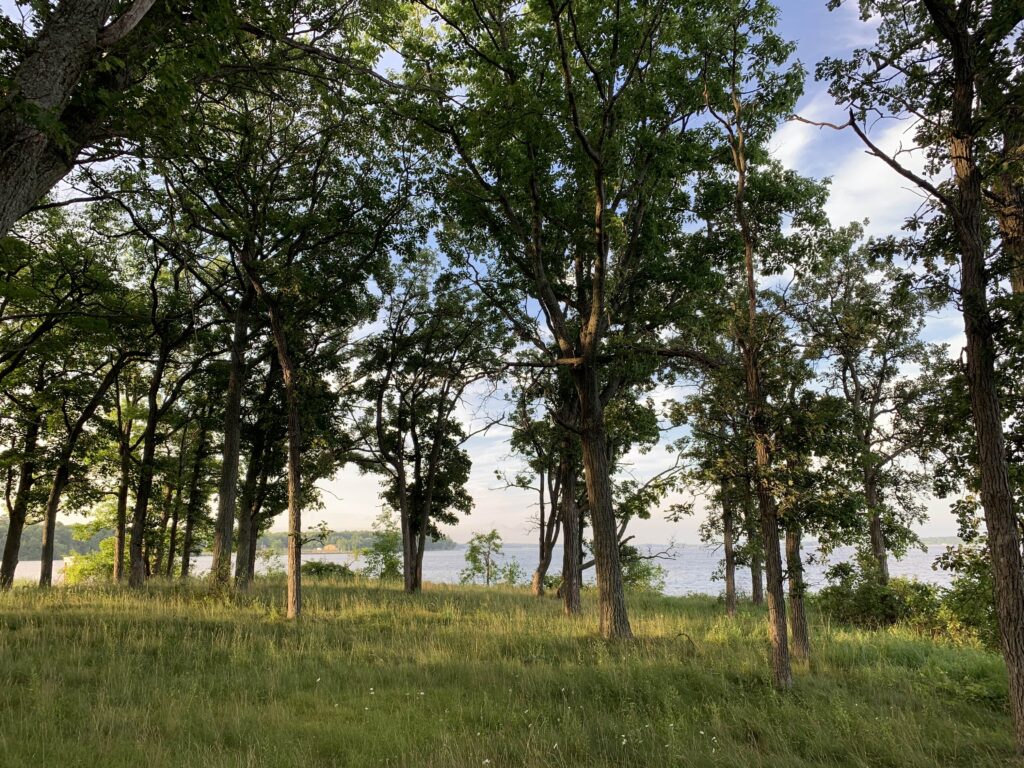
(862, 189)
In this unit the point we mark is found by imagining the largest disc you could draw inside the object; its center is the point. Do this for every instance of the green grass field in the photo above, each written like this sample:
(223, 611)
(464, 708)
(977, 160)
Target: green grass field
(467, 677)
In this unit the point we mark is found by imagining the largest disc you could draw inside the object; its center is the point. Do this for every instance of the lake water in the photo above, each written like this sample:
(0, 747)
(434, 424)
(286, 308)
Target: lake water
(689, 572)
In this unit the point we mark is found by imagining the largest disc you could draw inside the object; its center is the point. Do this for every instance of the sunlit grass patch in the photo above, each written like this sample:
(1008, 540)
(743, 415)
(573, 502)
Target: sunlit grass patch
(458, 676)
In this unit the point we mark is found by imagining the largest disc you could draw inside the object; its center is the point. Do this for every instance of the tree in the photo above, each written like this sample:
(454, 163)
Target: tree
(954, 68)
(439, 340)
(748, 89)
(866, 320)
(482, 552)
(576, 178)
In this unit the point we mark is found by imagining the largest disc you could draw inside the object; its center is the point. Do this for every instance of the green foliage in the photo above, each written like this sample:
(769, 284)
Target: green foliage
(323, 569)
(482, 552)
(857, 595)
(92, 568)
(969, 604)
(66, 540)
(512, 574)
(384, 557)
(963, 613)
(639, 573)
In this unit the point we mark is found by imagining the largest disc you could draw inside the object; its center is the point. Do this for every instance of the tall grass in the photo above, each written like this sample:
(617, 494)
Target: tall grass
(463, 676)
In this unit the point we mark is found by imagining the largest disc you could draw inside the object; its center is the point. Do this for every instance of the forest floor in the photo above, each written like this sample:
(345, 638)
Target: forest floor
(463, 676)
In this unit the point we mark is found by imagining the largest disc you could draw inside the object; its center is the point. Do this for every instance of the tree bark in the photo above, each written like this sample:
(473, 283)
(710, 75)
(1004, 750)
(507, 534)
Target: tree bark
(224, 526)
(572, 573)
(728, 542)
(19, 510)
(797, 589)
(33, 157)
(614, 620)
(161, 542)
(750, 524)
(996, 498)
(246, 511)
(125, 456)
(172, 538)
(194, 498)
(875, 531)
(137, 563)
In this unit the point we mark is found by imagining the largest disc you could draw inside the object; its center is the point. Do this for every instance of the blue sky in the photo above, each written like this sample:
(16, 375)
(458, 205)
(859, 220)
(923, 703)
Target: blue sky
(862, 188)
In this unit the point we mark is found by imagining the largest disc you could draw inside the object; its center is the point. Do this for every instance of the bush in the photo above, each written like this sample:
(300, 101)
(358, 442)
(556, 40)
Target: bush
(857, 595)
(92, 568)
(640, 573)
(384, 557)
(969, 605)
(323, 569)
(512, 573)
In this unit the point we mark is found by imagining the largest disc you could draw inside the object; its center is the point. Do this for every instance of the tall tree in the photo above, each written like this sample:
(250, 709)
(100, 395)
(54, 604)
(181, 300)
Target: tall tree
(439, 340)
(575, 175)
(945, 64)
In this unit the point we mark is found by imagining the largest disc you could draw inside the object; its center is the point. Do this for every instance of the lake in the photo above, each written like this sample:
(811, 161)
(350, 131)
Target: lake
(689, 572)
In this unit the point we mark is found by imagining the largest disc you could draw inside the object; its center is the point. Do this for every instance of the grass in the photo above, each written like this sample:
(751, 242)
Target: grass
(463, 676)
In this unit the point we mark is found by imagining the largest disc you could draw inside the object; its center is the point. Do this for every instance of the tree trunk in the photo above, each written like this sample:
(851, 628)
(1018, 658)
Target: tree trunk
(194, 498)
(290, 378)
(614, 620)
(172, 542)
(421, 546)
(161, 542)
(257, 517)
(750, 523)
(224, 526)
(246, 523)
(255, 479)
(572, 574)
(797, 588)
(756, 580)
(137, 563)
(19, 510)
(996, 498)
(877, 535)
(728, 542)
(125, 456)
(408, 534)
(1010, 214)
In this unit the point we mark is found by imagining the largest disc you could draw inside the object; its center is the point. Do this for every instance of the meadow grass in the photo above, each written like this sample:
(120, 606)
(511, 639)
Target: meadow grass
(463, 676)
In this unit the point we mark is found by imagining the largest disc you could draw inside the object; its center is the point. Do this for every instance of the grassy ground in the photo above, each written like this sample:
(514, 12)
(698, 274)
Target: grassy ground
(467, 677)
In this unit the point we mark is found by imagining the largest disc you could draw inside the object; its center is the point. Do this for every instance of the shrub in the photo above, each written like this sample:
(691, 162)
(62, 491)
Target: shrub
(857, 595)
(323, 569)
(641, 574)
(384, 557)
(512, 573)
(92, 568)
(969, 605)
